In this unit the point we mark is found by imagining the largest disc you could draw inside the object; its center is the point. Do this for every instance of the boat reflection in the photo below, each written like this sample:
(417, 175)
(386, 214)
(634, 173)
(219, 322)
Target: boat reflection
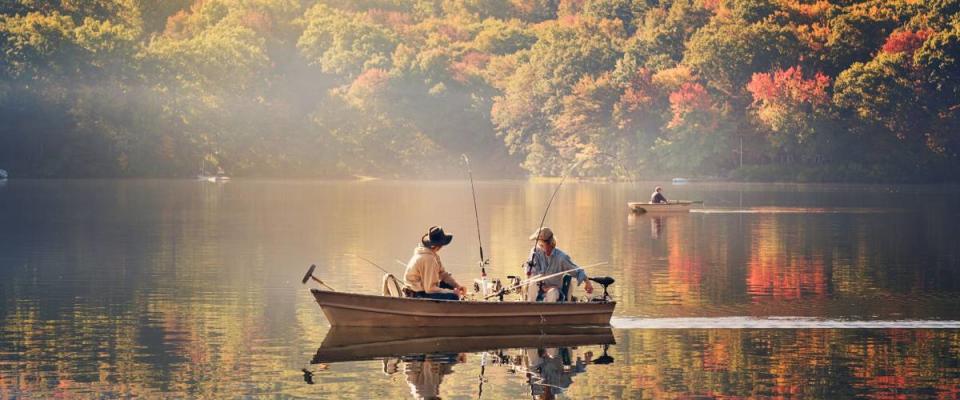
(550, 371)
(547, 357)
(657, 222)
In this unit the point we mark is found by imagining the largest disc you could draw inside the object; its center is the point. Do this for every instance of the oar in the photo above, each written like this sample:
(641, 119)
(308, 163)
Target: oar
(309, 275)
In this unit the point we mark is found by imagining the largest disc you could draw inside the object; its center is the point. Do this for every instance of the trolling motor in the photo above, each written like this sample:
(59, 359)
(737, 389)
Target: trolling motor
(605, 358)
(604, 281)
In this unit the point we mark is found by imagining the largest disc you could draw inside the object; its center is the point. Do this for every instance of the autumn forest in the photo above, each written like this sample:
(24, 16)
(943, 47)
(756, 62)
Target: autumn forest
(793, 90)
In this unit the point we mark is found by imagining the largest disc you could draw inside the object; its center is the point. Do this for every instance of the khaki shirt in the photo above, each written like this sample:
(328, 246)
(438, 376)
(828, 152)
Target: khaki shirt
(425, 272)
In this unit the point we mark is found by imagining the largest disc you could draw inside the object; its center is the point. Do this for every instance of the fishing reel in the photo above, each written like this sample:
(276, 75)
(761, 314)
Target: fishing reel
(493, 286)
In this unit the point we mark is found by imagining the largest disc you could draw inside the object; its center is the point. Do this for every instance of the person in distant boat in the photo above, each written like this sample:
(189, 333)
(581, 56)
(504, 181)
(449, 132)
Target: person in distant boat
(425, 275)
(547, 259)
(657, 197)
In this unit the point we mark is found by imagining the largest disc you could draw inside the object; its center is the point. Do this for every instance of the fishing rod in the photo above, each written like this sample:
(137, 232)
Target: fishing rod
(554, 195)
(476, 215)
(547, 209)
(542, 278)
(368, 261)
(483, 366)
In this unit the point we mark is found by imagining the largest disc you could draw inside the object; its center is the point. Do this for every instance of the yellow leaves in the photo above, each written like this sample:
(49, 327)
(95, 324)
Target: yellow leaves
(672, 79)
(38, 32)
(104, 36)
(813, 10)
(814, 36)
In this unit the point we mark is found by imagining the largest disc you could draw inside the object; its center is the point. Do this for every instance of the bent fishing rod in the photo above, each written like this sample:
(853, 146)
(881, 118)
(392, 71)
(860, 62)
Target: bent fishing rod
(541, 278)
(549, 203)
(476, 215)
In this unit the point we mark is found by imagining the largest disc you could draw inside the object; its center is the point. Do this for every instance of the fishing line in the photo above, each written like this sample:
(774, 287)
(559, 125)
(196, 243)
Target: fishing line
(368, 261)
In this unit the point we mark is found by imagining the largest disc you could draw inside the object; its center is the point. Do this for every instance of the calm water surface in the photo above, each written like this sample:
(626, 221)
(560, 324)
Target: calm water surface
(159, 288)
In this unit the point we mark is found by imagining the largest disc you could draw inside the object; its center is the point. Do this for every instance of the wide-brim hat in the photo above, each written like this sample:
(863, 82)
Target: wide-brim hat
(436, 237)
(544, 234)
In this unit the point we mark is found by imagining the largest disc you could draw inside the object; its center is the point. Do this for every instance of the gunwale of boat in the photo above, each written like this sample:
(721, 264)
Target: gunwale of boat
(353, 309)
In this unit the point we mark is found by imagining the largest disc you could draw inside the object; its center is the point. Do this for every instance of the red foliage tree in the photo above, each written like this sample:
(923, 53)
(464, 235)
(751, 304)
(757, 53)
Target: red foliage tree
(637, 98)
(395, 20)
(789, 86)
(369, 86)
(689, 98)
(470, 64)
(785, 102)
(906, 41)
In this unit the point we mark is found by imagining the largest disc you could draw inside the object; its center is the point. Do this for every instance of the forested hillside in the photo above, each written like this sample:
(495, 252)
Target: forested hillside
(749, 89)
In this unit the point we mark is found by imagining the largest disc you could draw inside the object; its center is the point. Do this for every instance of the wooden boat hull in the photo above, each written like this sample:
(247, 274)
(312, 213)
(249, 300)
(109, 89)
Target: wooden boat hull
(367, 343)
(678, 207)
(350, 309)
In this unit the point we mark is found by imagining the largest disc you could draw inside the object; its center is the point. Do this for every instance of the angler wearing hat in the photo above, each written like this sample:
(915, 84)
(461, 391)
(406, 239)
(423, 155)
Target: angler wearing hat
(425, 274)
(547, 259)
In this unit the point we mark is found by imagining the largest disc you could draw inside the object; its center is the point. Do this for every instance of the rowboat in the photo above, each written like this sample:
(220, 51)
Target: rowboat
(365, 343)
(671, 207)
(351, 309)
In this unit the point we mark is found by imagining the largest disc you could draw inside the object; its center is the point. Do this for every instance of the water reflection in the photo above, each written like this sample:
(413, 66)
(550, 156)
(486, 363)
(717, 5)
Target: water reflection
(425, 373)
(654, 363)
(550, 371)
(547, 357)
(175, 289)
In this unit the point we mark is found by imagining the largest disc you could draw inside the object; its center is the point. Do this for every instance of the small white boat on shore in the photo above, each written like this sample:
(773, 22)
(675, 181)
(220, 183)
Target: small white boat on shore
(213, 178)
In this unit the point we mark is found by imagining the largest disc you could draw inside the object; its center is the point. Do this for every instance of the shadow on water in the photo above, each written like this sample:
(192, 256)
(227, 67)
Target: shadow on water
(545, 358)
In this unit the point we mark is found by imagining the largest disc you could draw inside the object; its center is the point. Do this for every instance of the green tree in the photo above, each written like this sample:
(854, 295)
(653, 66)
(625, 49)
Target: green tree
(726, 55)
(343, 43)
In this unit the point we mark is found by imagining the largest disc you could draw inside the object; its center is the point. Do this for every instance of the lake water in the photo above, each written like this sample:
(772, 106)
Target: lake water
(162, 288)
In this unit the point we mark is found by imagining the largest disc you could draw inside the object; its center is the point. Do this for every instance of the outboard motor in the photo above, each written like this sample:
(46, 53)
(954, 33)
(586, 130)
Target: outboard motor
(604, 281)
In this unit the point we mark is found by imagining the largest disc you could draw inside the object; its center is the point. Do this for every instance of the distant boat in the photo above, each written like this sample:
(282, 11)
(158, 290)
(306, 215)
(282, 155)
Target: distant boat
(213, 178)
(220, 176)
(680, 206)
(680, 181)
(3, 175)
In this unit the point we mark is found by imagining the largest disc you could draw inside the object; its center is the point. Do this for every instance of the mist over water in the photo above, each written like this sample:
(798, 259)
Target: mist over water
(186, 289)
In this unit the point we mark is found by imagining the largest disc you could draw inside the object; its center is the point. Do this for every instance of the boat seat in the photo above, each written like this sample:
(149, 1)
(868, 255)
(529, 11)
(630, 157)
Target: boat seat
(604, 281)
